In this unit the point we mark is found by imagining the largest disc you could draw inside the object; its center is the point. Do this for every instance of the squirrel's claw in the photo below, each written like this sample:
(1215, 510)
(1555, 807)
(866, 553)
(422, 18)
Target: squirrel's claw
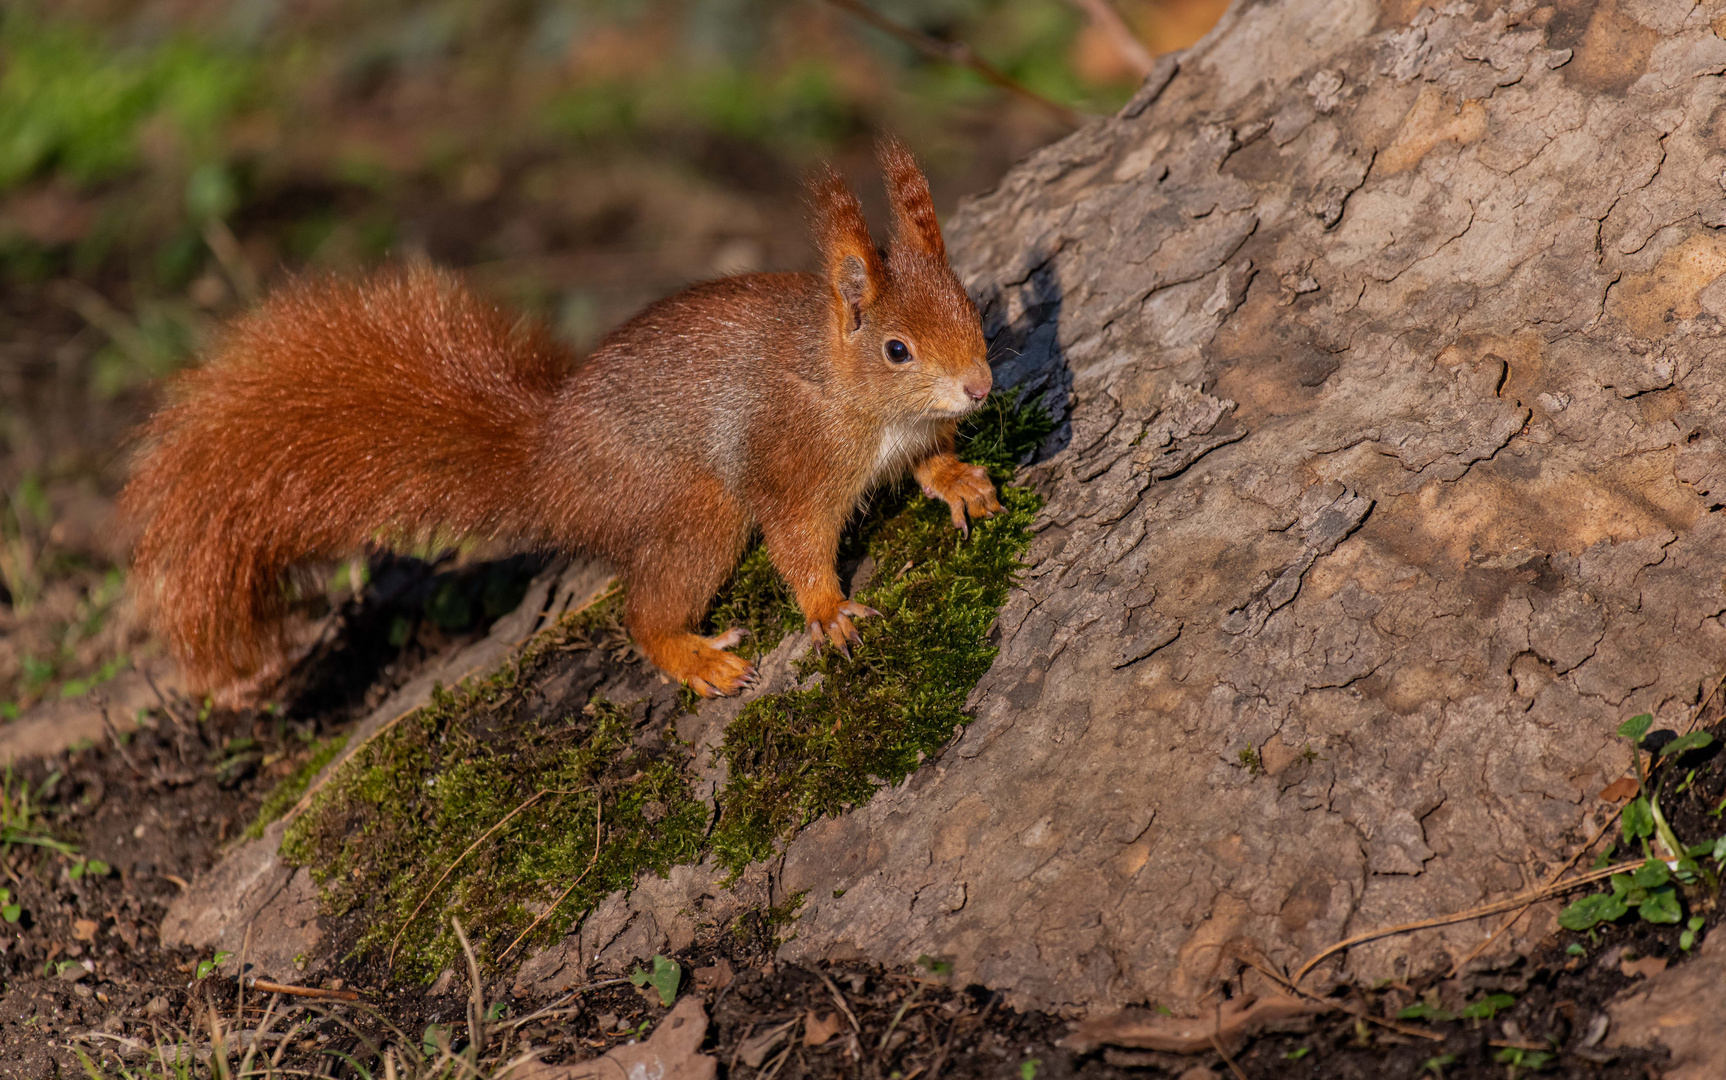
(839, 631)
(730, 639)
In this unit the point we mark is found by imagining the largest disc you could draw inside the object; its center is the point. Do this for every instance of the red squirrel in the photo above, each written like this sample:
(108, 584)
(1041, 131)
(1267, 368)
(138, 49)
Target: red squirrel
(342, 415)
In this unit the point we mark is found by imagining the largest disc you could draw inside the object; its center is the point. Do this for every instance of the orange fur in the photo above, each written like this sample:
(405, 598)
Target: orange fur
(345, 415)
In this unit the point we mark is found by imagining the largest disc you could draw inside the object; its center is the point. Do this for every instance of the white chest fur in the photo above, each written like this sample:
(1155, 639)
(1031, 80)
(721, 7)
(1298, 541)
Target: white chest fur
(902, 444)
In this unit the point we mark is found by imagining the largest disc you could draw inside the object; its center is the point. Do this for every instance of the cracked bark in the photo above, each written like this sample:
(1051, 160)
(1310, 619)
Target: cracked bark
(1388, 344)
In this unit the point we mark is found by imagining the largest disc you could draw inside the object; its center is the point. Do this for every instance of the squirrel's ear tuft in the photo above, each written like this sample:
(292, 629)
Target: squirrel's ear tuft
(914, 222)
(853, 265)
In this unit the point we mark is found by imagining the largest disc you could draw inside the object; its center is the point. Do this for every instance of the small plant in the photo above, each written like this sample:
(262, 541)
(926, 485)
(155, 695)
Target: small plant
(1647, 889)
(9, 911)
(1522, 1058)
(1484, 1009)
(1028, 1068)
(24, 519)
(1650, 888)
(205, 967)
(82, 867)
(19, 823)
(665, 978)
(1250, 761)
(1692, 926)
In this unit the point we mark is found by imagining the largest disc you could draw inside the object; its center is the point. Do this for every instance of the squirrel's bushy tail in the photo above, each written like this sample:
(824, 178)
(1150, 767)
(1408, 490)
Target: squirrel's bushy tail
(336, 416)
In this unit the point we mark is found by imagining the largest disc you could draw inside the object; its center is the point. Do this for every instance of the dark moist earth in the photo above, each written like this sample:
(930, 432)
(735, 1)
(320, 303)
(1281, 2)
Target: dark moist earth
(83, 968)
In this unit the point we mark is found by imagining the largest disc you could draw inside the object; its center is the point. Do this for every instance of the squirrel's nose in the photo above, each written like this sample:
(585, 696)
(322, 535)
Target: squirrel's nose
(977, 389)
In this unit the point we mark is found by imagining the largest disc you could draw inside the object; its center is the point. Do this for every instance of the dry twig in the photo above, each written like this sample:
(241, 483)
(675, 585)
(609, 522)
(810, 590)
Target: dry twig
(268, 987)
(598, 831)
(1105, 18)
(1509, 904)
(959, 54)
(1361, 1014)
(448, 870)
(839, 999)
(1229, 1061)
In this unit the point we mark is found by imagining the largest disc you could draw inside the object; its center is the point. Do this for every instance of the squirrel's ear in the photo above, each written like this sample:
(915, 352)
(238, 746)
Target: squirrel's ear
(914, 222)
(852, 263)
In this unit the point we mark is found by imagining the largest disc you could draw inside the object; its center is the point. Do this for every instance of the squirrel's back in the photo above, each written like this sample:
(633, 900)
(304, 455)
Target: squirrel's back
(289, 443)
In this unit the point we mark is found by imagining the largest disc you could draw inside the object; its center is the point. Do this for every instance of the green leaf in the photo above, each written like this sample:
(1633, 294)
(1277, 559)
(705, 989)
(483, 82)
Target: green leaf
(1297, 1053)
(1590, 911)
(11, 912)
(1694, 922)
(665, 977)
(1575, 949)
(1661, 906)
(207, 966)
(1696, 740)
(1636, 727)
(1487, 1007)
(1638, 820)
(1028, 1068)
(1719, 849)
(1650, 875)
(1437, 1064)
(434, 1040)
(1686, 939)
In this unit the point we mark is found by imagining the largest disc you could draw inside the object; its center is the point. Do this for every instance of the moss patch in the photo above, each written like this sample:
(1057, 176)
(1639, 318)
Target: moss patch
(285, 794)
(872, 719)
(412, 802)
(478, 807)
(758, 600)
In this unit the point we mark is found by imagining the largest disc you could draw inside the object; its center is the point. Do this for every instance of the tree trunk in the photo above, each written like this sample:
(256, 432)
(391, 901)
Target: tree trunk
(1390, 347)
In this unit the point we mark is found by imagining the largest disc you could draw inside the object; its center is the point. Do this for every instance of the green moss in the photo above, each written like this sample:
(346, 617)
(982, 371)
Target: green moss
(391, 834)
(758, 600)
(403, 811)
(872, 719)
(285, 794)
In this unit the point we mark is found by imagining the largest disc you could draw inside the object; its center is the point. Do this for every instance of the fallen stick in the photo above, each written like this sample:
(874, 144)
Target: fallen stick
(1544, 893)
(269, 987)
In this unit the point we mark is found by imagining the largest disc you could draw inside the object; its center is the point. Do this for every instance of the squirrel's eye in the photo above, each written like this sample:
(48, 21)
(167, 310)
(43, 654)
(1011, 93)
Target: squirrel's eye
(898, 351)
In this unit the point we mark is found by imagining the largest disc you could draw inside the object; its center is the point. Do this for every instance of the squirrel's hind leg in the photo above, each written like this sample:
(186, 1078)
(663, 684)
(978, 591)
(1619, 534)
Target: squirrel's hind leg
(665, 600)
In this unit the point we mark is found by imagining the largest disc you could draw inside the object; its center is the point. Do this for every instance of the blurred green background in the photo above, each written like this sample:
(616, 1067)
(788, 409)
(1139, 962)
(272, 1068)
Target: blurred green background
(164, 161)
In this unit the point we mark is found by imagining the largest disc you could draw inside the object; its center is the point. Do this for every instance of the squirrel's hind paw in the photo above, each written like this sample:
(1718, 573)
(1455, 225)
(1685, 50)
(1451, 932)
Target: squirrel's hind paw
(703, 664)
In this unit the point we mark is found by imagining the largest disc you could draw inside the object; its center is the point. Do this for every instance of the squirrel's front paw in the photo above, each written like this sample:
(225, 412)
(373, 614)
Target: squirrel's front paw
(837, 629)
(966, 489)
